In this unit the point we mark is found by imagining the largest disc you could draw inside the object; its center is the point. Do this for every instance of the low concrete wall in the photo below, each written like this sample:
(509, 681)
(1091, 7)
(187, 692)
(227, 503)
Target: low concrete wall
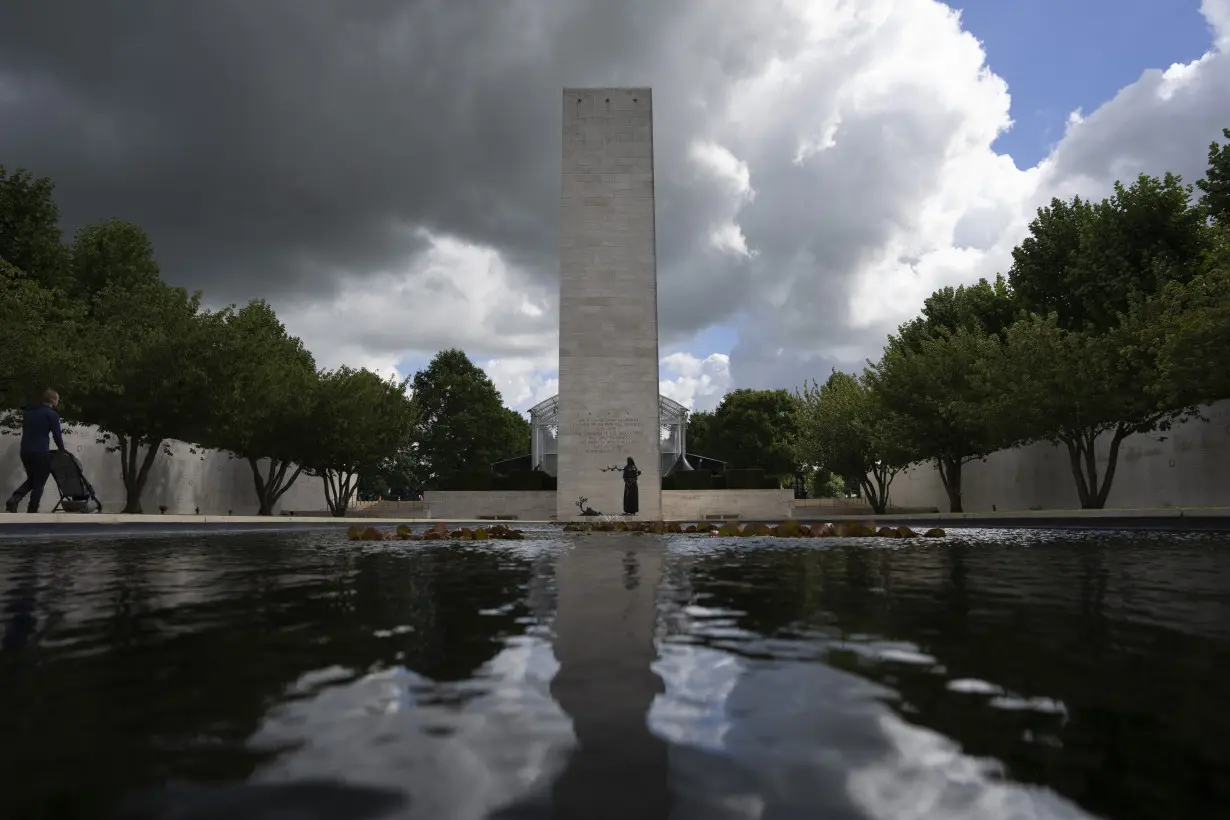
(1188, 466)
(677, 505)
(524, 505)
(812, 509)
(389, 509)
(755, 505)
(211, 480)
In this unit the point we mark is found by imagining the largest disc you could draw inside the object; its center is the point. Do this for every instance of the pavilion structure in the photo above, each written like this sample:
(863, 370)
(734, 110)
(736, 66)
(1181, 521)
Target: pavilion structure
(544, 435)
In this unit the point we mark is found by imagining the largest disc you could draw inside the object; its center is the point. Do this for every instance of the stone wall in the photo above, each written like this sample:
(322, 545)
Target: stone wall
(677, 505)
(749, 505)
(211, 480)
(1188, 466)
(465, 505)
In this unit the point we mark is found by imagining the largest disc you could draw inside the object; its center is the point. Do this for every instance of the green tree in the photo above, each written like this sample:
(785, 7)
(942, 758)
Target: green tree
(360, 419)
(462, 423)
(1188, 329)
(1089, 263)
(514, 429)
(1099, 274)
(987, 306)
(263, 401)
(391, 474)
(754, 428)
(111, 252)
(699, 438)
(1215, 187)
(947, 400)
(1075, 388)
(843, 429)
(161, 347)
(40, 334)
(30, 238)
(826, 484)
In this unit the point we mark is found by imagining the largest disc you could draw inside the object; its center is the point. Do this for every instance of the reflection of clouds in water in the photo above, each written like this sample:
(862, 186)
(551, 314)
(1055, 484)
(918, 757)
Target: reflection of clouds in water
(925, 775)
(757, 737)
(692, 711)
(1045, 706)
(463, 749)
(973, 686)
(894, 651)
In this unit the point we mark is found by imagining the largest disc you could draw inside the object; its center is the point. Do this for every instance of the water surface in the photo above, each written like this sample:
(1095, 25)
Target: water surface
(998, 675)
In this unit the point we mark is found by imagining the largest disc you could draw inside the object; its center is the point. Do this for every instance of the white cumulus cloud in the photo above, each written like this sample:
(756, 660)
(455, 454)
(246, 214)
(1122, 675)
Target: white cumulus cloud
(818, 186)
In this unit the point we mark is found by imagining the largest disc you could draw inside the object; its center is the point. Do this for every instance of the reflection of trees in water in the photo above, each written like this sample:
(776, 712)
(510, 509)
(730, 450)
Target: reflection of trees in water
(1093, 600)
(1144, 736)
(147, 693)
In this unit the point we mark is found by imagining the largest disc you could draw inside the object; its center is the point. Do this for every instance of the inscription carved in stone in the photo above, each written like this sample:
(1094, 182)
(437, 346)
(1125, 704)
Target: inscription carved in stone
(609, 436)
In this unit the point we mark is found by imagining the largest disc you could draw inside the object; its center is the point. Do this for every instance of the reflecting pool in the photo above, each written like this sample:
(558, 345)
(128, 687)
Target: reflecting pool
(990, 674)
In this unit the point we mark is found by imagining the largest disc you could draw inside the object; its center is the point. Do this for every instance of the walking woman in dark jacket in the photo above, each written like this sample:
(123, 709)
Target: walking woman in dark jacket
(39, 422)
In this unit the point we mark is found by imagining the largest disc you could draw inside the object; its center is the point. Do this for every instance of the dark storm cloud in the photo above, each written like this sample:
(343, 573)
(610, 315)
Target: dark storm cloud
(267, 146)
(286, 148)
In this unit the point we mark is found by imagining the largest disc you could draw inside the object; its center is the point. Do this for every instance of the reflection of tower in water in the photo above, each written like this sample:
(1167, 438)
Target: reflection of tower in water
(605, 626)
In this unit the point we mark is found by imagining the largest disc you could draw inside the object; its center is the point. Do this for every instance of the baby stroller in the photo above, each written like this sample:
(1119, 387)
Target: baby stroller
(76, 492)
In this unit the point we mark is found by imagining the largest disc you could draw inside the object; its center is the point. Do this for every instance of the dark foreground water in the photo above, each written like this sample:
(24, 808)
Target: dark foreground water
(991, 675)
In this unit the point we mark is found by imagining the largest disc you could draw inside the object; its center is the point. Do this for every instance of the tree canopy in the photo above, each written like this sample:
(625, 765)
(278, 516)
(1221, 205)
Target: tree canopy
(29, 227)
(159, 345)
(263, 400)
(1111, 323)
(750, 428)
(143, 363)
(946, 399)
(1215, 187)
(844, 430)
(1087, 262)
(1188, 328)
(461, 423)
(358, 419)
(986, 306)
(111, 253)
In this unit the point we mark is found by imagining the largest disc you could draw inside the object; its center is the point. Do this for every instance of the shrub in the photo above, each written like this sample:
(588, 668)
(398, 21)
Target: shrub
(748, 479)
(466, 480)
(693, 480)
(526, 481)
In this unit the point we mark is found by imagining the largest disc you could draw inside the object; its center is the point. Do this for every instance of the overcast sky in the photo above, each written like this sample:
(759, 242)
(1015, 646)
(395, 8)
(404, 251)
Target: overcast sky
(386, 172)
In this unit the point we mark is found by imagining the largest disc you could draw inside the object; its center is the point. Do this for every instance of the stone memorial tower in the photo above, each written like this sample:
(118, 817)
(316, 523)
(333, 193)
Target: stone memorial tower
(608, 306)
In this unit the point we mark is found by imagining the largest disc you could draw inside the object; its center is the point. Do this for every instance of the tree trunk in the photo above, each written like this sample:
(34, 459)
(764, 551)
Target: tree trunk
(339, 488)
(134, 471)
(270, 488)
(1082, 456)
(875, 486)
(950, 474)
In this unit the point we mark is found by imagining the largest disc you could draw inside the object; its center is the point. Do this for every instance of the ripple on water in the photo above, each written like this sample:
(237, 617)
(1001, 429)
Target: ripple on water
(970, 678)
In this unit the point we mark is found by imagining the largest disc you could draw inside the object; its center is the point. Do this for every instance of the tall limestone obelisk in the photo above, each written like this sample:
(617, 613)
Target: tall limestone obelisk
(608, 304)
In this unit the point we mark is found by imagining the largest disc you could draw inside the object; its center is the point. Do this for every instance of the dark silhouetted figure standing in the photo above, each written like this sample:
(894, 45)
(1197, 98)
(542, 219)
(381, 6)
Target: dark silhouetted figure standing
(632, 497)
(39, 422)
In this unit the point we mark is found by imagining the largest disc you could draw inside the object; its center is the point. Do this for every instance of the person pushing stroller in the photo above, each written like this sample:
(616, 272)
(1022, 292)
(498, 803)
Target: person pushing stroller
(38, 423)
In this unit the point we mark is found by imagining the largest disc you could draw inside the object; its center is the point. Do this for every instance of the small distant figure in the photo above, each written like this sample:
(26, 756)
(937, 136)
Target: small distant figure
(39, 422)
